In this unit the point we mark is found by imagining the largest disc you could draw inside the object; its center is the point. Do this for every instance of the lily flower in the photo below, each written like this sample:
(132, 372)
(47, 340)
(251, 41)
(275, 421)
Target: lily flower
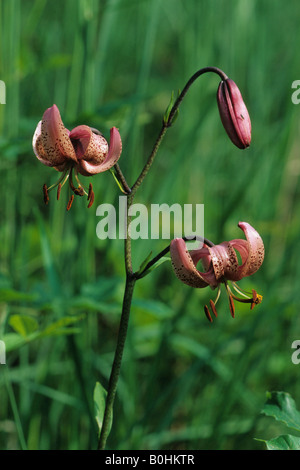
(234, 114)
(221, 266)
(82, 150)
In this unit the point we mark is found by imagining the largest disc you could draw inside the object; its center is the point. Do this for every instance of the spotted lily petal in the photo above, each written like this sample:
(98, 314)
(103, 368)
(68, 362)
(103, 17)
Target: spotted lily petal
(88, 145)
(51, 142)
(224, 260)
(185, 268)
(253, 255)
(90, 166)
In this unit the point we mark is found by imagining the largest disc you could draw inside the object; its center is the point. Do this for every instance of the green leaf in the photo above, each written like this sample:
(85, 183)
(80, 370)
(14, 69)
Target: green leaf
(169, 109)
(13, 341)
(11, 295)
(100, 395)
(284, 442)
(23, 324)
(282, 407)
(61, 326)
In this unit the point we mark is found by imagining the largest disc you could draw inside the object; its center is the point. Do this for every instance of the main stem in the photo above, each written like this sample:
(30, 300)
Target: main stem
(115, 372)
(132, 277)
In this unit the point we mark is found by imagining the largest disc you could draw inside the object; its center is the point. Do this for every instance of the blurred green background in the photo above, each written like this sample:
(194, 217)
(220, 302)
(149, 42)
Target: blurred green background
(185, 383)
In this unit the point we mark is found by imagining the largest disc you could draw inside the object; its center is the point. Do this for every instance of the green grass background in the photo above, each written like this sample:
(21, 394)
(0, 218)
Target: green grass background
(185, 383)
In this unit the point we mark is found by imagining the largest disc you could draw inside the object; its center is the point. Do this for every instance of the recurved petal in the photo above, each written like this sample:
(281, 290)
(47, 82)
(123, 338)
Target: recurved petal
(185, 268)
(88, 167)
(253, 254)
(88, 145)
(224, 261)
(51, 142)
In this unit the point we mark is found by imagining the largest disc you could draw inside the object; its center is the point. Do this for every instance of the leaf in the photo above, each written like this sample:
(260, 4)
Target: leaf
(282, 407)
(13, 341)
(284, 442)
(23, 324)
(100, 395)
(11, 295)
(169, 109)
(61, 326)
(27, 330)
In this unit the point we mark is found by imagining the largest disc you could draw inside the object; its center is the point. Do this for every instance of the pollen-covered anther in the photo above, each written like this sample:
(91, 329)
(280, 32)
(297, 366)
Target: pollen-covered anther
(256, 299)
(79, 191)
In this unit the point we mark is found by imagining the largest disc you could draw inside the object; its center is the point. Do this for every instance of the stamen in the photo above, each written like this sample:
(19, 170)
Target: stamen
(256, 299)
(90, 191)
(91, 196)
(70, 202)
(208, 315)
(63, 177)
(46, 195)
(241, 291)
(71, 181)
(79, 191)
(213, 308)
(231, 306)
(58, 191)
(231, 296)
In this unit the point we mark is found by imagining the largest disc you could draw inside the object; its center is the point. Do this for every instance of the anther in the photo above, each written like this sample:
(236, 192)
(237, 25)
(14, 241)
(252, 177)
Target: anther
(213, 308)
(79, 191)
(91, 196)
(46, 195)
(231, 305)
(70, 202)
(207, 313)
(58, 191)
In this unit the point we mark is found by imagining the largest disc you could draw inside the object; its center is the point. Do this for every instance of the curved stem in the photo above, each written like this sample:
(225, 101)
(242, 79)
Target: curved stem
(163, 253)
(167, 123)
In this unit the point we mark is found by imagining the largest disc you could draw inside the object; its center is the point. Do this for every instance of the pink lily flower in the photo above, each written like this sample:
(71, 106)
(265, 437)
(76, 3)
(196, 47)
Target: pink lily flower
(234, 114)
(220, 263)
(81, 150)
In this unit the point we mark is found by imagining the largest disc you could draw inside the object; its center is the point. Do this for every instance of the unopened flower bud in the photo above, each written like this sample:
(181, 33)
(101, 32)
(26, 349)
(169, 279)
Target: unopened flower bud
(234, 114)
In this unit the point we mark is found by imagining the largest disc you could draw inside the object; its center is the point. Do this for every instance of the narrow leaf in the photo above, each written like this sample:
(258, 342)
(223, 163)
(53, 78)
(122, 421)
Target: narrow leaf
(100, 395)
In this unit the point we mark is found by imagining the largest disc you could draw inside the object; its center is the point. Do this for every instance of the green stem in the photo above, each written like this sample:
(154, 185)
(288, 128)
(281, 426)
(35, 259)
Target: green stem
(163, 253)
(167, 123)
(115, 372)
